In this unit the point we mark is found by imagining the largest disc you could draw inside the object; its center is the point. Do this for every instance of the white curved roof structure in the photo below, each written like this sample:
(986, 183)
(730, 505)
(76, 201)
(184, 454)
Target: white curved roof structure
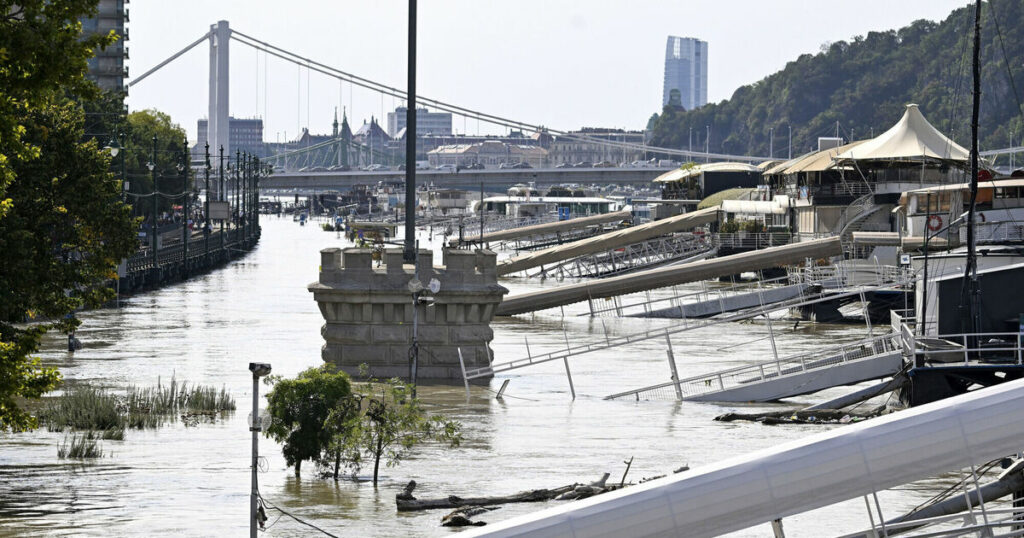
(679, 174)
(912, 138)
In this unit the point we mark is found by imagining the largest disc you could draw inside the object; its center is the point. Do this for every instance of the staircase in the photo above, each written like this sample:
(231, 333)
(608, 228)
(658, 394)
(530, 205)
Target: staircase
(855, 215)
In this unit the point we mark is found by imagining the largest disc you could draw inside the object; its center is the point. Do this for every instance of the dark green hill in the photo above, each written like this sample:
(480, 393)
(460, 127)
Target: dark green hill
(863, 84)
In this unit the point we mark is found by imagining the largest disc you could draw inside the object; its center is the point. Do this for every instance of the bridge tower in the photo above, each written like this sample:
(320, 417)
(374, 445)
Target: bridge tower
(217, 125)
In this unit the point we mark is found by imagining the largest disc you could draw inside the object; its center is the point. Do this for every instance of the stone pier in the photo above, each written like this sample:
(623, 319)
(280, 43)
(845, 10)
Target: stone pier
(368, 309)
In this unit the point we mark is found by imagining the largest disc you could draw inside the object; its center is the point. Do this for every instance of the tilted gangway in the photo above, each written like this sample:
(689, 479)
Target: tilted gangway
(669, 276)
(609, 341)
(550, 231)
(864, 360)
(677, 248)
(608, 241)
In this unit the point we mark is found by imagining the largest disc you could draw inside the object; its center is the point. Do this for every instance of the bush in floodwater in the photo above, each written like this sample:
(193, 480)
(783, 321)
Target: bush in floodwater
(175, 398)
(81, 446)
(84, 408)
(87, 408)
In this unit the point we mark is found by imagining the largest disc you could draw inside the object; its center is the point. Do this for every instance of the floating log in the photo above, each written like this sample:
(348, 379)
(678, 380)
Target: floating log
(407, 503)
(804, 416)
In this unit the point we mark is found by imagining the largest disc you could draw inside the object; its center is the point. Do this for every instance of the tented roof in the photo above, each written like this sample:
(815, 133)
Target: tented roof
(781, 167)
(680, 174)
(911, 138)
(821, 160)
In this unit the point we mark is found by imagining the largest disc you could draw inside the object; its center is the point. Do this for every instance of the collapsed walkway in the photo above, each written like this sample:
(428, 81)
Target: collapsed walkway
(670, 276)
(785, 377)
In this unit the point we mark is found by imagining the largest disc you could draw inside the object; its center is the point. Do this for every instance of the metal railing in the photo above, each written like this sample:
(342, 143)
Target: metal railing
(748, 240)
(974, 348)
(143, 259)
(686, 325)
(815, 281)
(996, 232)
(642, 255)
(770, 369)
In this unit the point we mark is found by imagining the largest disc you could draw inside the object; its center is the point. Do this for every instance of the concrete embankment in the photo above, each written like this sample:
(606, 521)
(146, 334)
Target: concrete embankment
(670, 276)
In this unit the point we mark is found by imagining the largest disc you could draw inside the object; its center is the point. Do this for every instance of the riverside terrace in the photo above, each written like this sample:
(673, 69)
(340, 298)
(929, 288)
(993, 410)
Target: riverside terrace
(465, 179)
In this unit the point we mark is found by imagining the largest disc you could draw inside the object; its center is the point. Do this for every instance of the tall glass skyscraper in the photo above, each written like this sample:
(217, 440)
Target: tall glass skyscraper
(686, 72)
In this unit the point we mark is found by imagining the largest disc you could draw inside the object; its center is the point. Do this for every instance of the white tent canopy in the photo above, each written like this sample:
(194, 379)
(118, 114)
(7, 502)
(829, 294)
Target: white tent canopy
(911, 138)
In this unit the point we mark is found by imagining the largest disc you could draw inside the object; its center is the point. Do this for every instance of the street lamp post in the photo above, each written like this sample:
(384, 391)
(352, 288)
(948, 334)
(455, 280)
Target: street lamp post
(220, 194)
(155, 224)
(258, 369)
(206, 209)
(238, 171)
(186, 192)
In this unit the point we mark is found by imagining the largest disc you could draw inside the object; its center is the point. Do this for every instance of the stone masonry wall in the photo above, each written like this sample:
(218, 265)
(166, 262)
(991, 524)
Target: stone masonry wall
(369, 312)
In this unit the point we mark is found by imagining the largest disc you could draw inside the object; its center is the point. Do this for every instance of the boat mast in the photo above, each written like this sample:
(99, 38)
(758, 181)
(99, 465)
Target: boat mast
(971, 321)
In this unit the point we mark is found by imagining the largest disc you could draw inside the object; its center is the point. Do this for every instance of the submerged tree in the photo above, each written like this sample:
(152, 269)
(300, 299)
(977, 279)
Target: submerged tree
(300, 408)
(387, 425)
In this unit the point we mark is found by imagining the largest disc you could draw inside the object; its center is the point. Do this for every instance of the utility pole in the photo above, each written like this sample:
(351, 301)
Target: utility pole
(690, 147)
(238, 173)
(707, 143)
(206, 210)
(771, 142)
(220, 195)
(410, 143)
(156, 210)
(187, 193)
(789, 155)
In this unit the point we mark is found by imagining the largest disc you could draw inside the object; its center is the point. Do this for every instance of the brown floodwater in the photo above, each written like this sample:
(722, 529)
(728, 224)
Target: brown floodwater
(194, 481)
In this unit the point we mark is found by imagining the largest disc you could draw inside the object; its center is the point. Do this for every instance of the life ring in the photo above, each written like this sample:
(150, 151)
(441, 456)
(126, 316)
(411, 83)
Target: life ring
(934, 222)
(981, 216)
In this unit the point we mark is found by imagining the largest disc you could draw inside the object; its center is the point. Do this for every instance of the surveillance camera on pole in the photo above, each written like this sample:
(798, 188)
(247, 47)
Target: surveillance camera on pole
(256, 514)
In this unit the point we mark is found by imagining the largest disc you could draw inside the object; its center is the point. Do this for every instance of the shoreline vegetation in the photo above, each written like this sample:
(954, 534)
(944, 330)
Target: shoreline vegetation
(90, 414)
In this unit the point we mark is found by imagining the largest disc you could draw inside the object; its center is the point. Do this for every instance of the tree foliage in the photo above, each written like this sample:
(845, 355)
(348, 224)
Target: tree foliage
(140, 128)
(300, 408)
(63, 228)
(864, 84)
(387, 425)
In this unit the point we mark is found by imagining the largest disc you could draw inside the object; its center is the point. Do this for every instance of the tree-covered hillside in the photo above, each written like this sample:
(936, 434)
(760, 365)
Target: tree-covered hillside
(863, 84)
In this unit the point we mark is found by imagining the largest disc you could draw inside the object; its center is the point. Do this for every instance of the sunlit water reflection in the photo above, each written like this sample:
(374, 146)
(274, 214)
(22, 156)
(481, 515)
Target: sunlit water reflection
(195, 480)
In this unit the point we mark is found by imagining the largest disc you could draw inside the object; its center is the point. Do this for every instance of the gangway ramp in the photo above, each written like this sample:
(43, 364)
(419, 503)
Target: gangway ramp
(610, 341)
(771, 380)
(670, 276)
(610, 240)
(677, 248)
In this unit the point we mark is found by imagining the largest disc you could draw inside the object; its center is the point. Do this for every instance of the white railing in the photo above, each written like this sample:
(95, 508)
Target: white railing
(771, 369)
(996, 232)
(973, 350)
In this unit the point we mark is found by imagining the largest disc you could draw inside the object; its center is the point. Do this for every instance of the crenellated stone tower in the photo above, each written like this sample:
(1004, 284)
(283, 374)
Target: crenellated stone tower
(369, 311)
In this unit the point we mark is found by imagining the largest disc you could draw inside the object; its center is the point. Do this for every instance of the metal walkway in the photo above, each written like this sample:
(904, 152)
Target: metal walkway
(663, 277)
(686, 325)
(848, 364)
(645, 255)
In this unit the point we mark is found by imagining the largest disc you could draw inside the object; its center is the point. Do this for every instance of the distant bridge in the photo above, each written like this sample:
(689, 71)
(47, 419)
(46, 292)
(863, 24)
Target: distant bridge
(465, 179)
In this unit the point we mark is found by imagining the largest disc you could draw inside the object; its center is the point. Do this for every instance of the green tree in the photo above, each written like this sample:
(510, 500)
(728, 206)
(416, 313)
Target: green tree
(62, 226)
(388, 426)
(140, 128)
(300, 408)
(864, 84)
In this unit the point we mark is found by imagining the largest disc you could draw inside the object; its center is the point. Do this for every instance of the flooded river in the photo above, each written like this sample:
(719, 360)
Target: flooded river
(194, 481)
